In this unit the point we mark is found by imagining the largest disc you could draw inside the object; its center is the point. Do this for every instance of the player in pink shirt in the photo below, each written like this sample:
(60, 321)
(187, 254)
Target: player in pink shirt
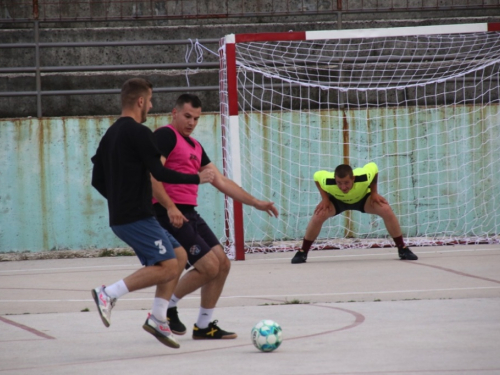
(175, 210)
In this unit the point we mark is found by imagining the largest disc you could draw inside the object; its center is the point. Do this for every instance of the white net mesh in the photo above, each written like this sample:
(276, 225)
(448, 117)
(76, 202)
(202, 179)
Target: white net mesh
(426, 109)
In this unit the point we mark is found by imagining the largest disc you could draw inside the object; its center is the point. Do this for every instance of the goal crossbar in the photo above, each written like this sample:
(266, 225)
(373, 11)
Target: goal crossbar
(363, 33)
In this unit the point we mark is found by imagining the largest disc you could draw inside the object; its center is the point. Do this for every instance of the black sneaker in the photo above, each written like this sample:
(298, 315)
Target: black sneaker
(299, 257)
(174, 322)
(406, 254)
(212, 332)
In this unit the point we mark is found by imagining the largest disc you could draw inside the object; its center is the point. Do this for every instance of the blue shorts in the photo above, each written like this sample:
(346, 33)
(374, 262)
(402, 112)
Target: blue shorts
(151, 243)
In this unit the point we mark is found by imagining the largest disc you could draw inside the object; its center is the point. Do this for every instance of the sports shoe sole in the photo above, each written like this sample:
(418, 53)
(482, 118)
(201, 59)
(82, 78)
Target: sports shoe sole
(164, 340)
(405, 258)
(227, 337)
(177, 332)
(103, 318)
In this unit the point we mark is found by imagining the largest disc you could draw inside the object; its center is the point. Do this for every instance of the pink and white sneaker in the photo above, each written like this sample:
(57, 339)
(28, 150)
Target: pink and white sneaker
(104, 304)
(161, 331)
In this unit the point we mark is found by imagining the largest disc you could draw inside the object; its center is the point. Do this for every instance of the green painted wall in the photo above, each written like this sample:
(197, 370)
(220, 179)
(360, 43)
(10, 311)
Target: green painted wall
(46, 200)
(438, 170)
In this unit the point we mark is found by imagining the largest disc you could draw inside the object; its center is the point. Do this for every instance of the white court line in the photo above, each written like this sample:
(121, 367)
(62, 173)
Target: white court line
(69, 268)
(269, 295)
(270, 254)
(313, 256)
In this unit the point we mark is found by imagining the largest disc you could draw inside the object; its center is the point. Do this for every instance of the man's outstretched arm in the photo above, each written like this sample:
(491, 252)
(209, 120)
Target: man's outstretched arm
(231, 189)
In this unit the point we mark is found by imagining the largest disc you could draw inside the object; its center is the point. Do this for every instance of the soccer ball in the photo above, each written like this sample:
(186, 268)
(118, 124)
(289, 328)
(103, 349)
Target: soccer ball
(266, 335)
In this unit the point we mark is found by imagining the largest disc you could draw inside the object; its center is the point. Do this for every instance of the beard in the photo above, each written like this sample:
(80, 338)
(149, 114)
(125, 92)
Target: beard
(144, 115)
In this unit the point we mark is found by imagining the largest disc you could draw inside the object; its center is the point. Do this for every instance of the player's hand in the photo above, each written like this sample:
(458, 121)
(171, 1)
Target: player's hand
(177, 219)
(267, 207)
(206, 175)
(376, 198)
(324, 205)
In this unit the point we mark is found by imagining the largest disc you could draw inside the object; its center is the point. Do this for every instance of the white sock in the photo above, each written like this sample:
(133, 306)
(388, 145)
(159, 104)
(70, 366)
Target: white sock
(204, 317)
(117, 289)
(159, 309)
(173, 301)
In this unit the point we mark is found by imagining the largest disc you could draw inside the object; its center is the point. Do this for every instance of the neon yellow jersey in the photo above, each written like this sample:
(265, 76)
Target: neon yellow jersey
(363, 177)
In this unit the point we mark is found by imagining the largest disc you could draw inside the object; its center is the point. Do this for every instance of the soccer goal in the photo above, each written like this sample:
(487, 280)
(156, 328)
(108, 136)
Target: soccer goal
(421, 102)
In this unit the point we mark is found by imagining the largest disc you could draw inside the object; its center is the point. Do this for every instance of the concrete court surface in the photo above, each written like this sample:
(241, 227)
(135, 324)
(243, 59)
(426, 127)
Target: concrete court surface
(343, 312)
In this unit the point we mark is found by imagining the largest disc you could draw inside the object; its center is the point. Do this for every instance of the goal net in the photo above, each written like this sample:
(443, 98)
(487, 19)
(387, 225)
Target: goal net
(423, 103)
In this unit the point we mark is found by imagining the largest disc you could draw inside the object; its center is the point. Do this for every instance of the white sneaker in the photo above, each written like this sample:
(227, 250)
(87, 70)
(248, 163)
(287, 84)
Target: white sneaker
(161, 331)
(104, 304)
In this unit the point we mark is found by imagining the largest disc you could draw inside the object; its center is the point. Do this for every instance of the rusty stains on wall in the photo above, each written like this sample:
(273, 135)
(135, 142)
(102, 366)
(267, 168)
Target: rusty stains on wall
(46, 198)
(47, 202)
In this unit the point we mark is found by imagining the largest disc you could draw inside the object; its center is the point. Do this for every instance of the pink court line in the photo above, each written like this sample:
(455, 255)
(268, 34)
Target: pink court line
(455, 272)
(358, 319)
(26, 328)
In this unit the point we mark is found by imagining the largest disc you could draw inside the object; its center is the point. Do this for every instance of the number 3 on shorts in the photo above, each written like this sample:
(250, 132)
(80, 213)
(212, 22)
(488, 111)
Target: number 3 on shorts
(162, 248)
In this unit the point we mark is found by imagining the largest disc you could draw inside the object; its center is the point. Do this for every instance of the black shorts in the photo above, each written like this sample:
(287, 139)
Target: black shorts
(341, 206)
(195, 236)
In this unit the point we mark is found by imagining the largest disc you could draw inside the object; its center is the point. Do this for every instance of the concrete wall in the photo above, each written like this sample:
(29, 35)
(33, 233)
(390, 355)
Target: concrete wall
(92, 105)
(438, 170)
(230, 11)
(46, 200)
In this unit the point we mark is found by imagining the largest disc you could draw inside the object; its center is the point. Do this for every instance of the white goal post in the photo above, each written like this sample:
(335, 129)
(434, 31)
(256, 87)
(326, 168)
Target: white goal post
(423, 103)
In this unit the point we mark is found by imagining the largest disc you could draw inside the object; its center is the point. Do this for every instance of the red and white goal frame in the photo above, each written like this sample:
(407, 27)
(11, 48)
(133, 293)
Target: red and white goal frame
(229, 94)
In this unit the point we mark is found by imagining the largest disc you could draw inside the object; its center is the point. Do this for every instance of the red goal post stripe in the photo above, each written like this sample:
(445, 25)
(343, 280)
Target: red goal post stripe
(368, 33)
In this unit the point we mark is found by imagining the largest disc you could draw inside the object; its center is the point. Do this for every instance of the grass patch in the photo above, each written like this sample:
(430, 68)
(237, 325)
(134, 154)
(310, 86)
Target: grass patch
(292, 302)
(295, 302)
(116, 253)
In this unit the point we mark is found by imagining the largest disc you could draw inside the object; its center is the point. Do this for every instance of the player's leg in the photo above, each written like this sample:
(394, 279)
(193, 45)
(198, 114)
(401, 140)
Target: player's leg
(391, 222)
(206, 263)
(196, 248)
(160, 273)
(156, 323)
(155, 251)
(154, 247)
(211, 291)
(210, 270)
(147, 243)
(164, 290)
(205, 328)
(313, 229)
(174, 322)
(209, 273)
(209, 263)
(191, 281)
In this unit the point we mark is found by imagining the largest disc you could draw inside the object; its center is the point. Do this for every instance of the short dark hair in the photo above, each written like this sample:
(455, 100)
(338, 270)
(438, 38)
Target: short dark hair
(343, 170)
(188, 98)
(133, 89)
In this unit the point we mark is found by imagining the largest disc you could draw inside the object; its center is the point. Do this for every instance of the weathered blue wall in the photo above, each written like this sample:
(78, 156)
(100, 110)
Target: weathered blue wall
(46, 199)
(438, 169)
(431, 170)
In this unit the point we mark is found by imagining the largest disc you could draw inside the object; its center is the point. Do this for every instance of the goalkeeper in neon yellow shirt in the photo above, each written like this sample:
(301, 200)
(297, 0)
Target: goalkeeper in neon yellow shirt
(349, 189)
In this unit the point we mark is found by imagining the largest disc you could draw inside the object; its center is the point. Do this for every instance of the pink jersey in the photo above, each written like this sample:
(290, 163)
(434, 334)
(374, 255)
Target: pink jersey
(186, 159)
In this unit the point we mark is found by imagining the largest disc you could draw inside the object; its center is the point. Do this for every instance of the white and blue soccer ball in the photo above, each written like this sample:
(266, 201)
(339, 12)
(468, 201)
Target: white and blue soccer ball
(267, 335)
